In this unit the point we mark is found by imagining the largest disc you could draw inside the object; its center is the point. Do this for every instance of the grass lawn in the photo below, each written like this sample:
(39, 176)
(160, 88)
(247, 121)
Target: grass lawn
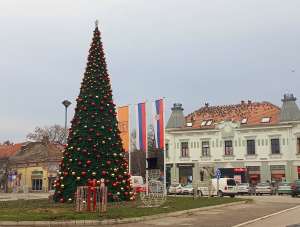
(42, 209)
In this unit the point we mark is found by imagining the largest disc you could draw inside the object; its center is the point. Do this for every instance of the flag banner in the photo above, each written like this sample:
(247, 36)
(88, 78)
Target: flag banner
(141, 127)
(123, 125)
(158, 123)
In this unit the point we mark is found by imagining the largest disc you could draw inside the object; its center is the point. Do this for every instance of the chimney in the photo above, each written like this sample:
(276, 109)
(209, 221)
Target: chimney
(176, 119)
(242, 102)
(289, 110)
(206, 104)
(249, 102)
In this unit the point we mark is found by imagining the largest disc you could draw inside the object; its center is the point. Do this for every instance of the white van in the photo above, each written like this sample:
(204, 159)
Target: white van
(227, 187)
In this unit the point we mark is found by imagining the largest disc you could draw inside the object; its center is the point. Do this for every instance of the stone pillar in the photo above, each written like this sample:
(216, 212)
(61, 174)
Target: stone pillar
(174, 174)
(289, 171)
(265, 172)
(196, 173)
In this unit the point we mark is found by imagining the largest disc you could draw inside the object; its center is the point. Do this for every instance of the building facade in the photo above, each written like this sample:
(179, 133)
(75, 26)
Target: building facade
(33, 167)
(251, 142)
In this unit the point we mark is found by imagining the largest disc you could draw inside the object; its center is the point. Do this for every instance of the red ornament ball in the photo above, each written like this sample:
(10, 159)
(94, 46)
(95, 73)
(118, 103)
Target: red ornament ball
(83, 173)
(88, 162)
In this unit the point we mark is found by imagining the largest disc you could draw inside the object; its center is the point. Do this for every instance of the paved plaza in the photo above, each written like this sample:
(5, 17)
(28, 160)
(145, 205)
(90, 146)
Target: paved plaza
(230, 216)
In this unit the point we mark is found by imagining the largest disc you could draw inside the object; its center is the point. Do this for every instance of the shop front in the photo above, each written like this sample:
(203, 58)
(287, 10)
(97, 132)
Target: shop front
(277, 173)
(239, 174)
(185, 173)
(253, 174)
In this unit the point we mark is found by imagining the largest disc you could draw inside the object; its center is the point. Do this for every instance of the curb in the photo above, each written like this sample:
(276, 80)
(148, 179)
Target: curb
(265, 217)
(113, 221)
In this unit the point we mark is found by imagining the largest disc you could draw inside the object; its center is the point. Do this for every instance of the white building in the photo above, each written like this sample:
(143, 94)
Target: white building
(250, 141)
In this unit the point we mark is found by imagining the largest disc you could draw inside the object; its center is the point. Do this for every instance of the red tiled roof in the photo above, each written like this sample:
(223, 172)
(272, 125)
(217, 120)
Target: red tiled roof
(252, 111)
(9, 150)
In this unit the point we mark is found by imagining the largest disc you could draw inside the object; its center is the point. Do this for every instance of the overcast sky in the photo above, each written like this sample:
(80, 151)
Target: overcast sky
(189, 51)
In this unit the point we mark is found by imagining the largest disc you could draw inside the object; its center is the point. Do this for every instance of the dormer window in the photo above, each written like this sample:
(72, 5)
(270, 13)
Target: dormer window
(203, 123)
(265, 120)
(208, 123)
(244, 121)
(189, 124)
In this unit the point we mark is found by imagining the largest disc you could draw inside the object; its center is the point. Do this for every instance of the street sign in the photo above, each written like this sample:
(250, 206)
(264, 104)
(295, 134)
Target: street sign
(218, 173)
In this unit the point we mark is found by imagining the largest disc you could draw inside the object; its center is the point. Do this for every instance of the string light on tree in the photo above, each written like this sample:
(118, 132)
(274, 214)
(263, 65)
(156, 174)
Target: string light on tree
(94, 149)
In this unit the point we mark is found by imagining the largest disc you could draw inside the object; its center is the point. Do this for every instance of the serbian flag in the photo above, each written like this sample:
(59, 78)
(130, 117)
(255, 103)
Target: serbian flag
(141, 127)
(159, 123)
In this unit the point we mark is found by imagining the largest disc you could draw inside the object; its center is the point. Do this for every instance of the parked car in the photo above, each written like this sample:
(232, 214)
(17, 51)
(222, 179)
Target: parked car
(295, 188)
(252, 189)
(227, 187)
(284, 188)
(175, 189)
(263, 188)
(187, 189)
(243, 188)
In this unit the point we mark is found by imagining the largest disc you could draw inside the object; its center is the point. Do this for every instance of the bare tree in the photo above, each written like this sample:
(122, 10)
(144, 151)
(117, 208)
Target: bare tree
(138, 158)
(52, 134)
(8, 142)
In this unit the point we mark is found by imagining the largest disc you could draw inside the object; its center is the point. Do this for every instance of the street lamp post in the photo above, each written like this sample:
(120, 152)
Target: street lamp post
(66, 104)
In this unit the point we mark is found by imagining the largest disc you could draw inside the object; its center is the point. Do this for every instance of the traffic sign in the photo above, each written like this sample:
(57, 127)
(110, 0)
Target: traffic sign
(218, 173)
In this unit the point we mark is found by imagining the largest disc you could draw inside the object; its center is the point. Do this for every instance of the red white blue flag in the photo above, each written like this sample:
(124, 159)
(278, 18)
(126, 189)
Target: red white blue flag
(141, 129)
(159, 124)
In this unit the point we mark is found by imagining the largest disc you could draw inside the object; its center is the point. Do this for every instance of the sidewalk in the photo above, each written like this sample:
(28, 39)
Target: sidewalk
(16, 196)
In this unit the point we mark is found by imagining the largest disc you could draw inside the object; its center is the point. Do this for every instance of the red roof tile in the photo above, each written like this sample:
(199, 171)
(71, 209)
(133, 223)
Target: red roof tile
(9, 150)
(252, 111)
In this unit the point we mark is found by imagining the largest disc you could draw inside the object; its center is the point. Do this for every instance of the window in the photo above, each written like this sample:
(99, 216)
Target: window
(208, 123)
(167, 150)
(298, 145)
(184, 149)
(205, 148)
(203, 123)
(244, 121)
(275, 146)
(37, 184)
(265, 120)
(189, 124)
(228, 147)
(250, 147)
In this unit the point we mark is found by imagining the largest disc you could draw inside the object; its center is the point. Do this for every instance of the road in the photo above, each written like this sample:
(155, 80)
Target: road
(289, 218)
(228, 216)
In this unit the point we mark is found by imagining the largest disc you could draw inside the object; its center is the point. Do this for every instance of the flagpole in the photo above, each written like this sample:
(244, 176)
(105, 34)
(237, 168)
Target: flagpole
(147, 149)
(164, 146)
(129, 141)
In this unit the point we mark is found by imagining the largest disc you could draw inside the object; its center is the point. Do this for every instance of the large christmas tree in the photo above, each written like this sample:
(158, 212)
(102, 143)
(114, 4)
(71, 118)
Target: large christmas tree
(94, 149)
